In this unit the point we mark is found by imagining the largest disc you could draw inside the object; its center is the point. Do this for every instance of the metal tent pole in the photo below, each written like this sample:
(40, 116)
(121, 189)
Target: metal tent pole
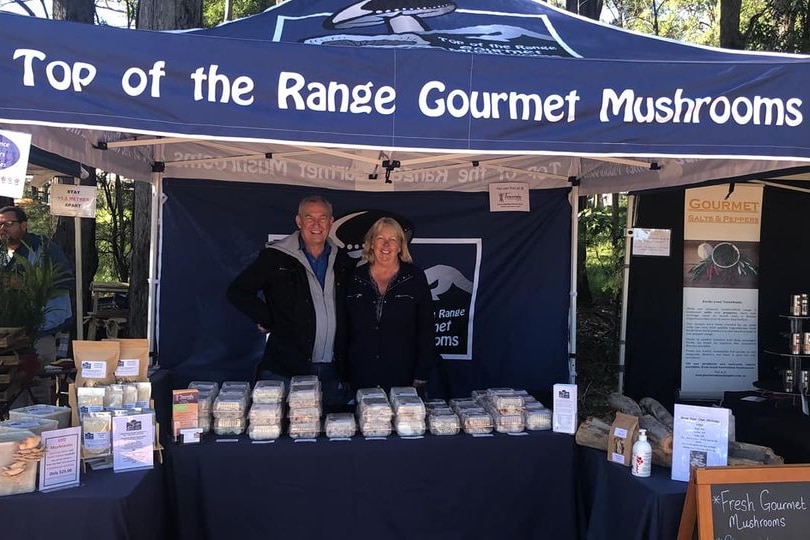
(572, 305)
(628, 246)
(154, 241)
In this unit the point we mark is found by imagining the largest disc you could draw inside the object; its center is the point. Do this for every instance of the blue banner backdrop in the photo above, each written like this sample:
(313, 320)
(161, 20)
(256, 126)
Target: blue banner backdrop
(508, 271)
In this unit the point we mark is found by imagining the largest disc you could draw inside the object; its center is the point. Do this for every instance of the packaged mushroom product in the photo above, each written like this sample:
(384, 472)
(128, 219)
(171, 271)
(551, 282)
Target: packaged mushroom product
(230, 404)
(409, 427)
(113, 396)
(264, 432)
(308, 430)
(96, 430)
(54, 412)
(375, 429)
(537, 419)
(268, 392)
(374, 408)
(236, 386)
(431, 404)
(444, 423)
(95, 362)
(508, 423)
(90, 399)
(144, 394)
(17, 475)
(304, 394)
(505, 400)
(33, 424)
(476, 421)
(340, 425)
(363, 393)
(409, 408)
(304, 415)
(266, 413)
(130, 395)
(229, 425)
(205, 386)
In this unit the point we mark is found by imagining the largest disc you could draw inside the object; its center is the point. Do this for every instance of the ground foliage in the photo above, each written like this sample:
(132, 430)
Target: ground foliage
(597, 356)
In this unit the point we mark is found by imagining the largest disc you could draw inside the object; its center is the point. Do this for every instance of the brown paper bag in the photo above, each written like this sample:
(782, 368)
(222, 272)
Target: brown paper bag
(623, 433)
(95, 361)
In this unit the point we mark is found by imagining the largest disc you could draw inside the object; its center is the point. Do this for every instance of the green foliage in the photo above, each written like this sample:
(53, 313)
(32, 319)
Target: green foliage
(25, 289)
(686, 20)
(601, 231)
(114, 206)
(773, 25)
(214, 10)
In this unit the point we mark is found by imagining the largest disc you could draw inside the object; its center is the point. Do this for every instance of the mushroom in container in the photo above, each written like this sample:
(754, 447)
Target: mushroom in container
(401, 16)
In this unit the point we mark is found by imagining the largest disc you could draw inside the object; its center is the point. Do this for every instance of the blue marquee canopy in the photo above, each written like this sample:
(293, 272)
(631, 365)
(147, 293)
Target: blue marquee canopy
(375, 77)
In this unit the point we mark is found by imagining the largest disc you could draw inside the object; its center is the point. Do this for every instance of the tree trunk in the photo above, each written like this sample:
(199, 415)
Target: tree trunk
(82, 11)
(730, 35)
(587, 8)
(151, 15)
(169, 14)
(139, 267)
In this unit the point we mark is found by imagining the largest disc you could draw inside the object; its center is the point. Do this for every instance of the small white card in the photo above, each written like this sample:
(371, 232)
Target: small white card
(564, 415)
(128, 367)
(509, 197)
(59, 468)
(133, 442)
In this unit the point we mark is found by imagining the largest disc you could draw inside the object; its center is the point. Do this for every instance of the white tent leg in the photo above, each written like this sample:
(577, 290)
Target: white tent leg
(572, 305)
(628, 246)
(154, 280)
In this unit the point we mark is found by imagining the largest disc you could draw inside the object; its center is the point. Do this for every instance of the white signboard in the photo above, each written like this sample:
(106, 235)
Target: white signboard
(719, 346)
(14, 151)
(699, 439)
(651, 242)
(133, 438)
(73, 201)
(509, 197)
(59, 468)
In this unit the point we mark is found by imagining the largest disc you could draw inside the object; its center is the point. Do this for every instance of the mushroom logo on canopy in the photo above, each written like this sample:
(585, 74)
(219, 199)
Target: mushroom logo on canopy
(400, 16)
(361, 23)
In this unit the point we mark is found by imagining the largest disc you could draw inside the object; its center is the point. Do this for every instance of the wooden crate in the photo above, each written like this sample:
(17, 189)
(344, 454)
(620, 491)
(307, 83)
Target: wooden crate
(10, 336)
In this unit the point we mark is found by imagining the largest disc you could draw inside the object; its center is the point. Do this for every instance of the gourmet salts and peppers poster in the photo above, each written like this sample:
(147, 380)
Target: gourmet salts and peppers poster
(720, 289)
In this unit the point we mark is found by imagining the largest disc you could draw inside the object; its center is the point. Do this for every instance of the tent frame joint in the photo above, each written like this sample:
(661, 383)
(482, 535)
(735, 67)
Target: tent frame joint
(159, 167)
(574, 181)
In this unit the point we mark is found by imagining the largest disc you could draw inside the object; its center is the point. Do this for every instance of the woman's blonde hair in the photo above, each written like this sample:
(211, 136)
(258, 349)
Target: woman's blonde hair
(368, 242)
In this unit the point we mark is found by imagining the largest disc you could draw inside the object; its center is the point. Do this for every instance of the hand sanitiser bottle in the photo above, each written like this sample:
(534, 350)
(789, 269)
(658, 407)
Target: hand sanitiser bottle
(641, 464)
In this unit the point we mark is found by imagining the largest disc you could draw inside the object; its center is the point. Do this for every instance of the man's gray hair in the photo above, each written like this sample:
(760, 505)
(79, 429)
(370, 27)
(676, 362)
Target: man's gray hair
(317, 199)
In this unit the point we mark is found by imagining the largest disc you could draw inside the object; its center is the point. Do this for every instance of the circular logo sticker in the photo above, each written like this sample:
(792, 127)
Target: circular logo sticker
(9, 153)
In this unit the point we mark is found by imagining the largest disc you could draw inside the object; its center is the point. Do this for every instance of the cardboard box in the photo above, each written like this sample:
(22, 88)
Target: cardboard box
(623, 433)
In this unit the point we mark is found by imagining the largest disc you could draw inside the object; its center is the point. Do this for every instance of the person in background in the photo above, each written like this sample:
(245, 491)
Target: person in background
(16, 241)
(390, 328)
(301, 277)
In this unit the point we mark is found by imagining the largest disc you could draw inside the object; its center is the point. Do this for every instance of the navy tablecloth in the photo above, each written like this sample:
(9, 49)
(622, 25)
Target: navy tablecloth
(443, 488)
(615, 505)
(129, 505)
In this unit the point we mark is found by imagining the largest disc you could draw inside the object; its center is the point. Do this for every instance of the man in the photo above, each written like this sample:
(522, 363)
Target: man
(16, 242)
(300, 276)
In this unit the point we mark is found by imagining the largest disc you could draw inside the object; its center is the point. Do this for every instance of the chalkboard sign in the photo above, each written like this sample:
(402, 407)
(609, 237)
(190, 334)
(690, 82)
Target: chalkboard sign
(747, 503)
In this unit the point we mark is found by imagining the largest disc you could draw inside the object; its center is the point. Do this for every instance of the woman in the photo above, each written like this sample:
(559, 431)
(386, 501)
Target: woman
(391, 339)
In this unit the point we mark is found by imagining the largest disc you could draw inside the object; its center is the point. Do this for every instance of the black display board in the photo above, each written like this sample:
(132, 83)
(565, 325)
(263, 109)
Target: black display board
(747, 503)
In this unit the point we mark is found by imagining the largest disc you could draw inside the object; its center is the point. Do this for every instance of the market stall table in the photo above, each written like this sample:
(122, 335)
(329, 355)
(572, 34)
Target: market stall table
(107, 505)
(449, 487)
(615, 504)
